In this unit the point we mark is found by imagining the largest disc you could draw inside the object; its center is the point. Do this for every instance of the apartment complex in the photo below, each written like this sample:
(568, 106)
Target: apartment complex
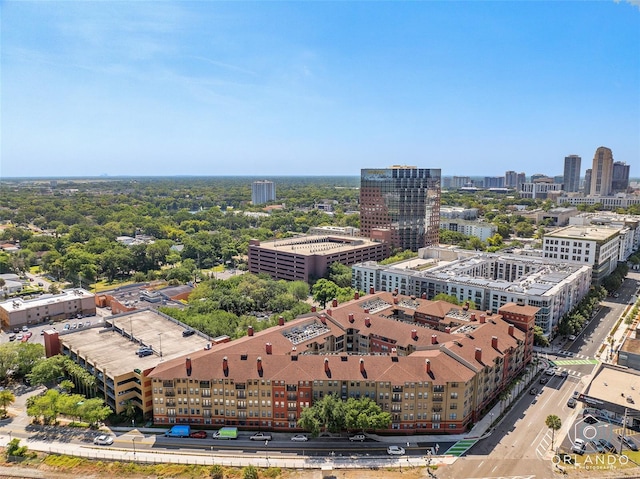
(489, 280)
(263, 191)
(430, 378)
(401, 206)
(67, 304)
(479, 229)
(597, 246)
(305, 257)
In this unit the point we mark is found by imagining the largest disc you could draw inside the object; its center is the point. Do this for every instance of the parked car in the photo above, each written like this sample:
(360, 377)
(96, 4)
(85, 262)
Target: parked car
(24, 329)
(188, 332)
(145, 352)
(198, 434)
(395, 451)
(544, 380)
(589, 419)
(358, 437)
(261, 436)
(597, 446)
(67, 326)
(572, 337)
(627, 441)
(12, 336)
(19, 336)
(572, 402)
(607, 445)
(550, 372)
(533, 391)
(579, 446)
(103, 440)
(564, 374)
(300, 438)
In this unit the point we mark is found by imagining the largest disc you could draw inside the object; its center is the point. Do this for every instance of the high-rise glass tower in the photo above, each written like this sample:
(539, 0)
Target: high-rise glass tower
(602, 172)
(571, 178)
(401, 205)
(263, 191)
(620, 177)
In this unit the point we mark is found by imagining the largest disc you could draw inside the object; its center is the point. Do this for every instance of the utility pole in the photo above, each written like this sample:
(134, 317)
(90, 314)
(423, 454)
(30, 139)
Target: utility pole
(624, 427)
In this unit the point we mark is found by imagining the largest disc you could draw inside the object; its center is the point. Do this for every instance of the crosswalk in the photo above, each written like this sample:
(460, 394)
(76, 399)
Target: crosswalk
(564, 362)
(460, 447)
(544, 446)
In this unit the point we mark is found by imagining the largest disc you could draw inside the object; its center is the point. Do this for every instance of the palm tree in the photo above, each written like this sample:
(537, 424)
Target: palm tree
(6, 398)
(130, 409)
(554, 423)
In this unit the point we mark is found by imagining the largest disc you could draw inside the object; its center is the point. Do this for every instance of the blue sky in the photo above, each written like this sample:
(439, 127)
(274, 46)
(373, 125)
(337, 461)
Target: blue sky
(316, 88)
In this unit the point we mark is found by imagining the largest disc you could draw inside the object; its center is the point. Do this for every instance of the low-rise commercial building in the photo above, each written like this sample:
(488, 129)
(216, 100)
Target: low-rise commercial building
(69, 303)
(431, 379)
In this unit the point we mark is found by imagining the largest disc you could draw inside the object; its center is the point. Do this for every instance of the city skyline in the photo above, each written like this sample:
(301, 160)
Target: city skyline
(278, 89)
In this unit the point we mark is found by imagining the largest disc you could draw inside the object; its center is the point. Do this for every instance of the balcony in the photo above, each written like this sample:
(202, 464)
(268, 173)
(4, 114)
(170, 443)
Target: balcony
(169, 394)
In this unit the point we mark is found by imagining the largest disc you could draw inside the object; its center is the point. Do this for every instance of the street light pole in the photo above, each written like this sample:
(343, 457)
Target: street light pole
(160, 338)
(133, 440)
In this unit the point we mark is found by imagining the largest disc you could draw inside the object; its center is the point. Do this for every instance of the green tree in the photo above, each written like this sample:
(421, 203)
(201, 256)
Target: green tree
(554, 423)
(365, 414)
(14, 449)
(44, 406)
(47, 371)
(130, 409)
(8, 359)
(67, 386)
(6, 398)
(339, 274)
(449, 298)
(93, 411)
(324, 291)
(27, 356)
(299, 290)
(539, 339)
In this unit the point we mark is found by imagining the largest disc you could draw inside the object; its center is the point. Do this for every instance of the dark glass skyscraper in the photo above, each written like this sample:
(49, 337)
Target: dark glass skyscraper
(401, 205)
(571, 179)
(620, 177)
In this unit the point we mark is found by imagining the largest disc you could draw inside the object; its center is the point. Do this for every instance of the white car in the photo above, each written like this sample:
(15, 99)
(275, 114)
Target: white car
(300, 438)
(395, 451)
(103, 440)
(572, 337)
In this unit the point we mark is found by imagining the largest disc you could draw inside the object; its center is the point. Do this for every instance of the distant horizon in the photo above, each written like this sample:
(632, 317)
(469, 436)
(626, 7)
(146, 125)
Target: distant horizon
(263, 177)
(128, 88)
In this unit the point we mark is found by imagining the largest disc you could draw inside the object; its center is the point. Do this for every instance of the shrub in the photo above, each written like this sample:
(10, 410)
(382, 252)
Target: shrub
(249, 472)
(216, 472)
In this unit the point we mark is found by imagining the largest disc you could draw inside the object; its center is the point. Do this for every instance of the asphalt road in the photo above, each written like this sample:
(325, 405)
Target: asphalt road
(520, 446)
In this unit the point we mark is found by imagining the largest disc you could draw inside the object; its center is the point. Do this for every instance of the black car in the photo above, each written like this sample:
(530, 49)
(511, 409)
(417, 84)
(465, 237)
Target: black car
(628, 442)
(607, 445)
(188, 332)
(590, 419)
(572, 402)
(544, 380)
